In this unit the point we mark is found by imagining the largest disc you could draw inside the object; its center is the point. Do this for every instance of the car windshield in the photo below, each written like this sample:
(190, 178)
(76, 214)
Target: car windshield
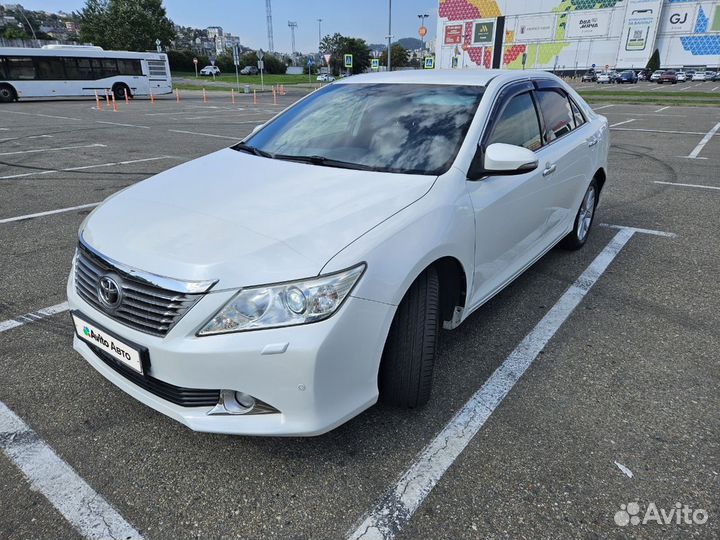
(403, 128)
(628, 73)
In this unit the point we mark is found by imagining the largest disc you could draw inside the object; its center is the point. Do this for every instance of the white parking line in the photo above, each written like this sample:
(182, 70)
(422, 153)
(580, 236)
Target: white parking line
(84, 167)
(6, 139)
(119, 124)
(32, 317)
(603, 107)
(660, 131)
(90, 514)
(706, 139)
(621, 123)
(211, 134)
(663, 108)
(686, 185)
(38, 150)
(48, 213)
(715, 88)
(43, 115)
(398, 505)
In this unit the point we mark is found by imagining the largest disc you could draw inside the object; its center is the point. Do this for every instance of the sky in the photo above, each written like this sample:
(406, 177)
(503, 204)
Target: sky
(366, 19)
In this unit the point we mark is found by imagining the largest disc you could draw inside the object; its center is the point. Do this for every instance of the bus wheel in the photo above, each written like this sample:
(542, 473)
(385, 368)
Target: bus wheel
(7, 93)
(120, 90)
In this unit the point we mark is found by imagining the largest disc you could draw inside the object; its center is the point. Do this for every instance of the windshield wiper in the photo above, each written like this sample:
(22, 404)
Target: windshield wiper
(243, 147)
(327, 162)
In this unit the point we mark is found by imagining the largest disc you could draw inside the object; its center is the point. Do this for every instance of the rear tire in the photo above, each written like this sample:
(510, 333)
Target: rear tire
(120, 89)
(406, 369)
(7, 93)
(583, 219)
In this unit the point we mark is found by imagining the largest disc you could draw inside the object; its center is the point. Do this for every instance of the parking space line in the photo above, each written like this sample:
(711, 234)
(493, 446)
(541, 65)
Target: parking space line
(38, 150)
(671, 132)
(6, 139)
(715, 88)
(90, 514)
(211, 134)
(119, 124)
(706, 139)
(400, 502)
(48, 213)
(661, 109)
(43, 115)
(84, 167)
(34, 316)
(621, 123)
(603, 107)
(652, 232)
(686, 185)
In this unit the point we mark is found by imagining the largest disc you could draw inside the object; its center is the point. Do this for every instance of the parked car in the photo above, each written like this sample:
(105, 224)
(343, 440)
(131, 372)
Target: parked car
(716, 77)
(284, 284)
(668, 76)
(710, 75)
(628, 76)
(681, 76)
(589, 76)
(324, 77)
(655, 77)
(209, 71)
(249, 70)
(644, 75)
(603, 78)
(699, 76)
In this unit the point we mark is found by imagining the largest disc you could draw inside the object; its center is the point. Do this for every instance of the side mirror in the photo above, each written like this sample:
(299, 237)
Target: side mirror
(501, 159)
(256, 128)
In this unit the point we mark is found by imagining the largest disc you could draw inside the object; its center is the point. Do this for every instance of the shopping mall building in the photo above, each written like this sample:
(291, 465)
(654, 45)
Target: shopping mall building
(574, 35)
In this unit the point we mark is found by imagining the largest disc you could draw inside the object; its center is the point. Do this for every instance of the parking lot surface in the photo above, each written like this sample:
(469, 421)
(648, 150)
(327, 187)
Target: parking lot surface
(620, 404)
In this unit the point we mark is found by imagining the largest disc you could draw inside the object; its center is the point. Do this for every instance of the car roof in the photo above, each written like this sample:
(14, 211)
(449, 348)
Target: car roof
(466, 77)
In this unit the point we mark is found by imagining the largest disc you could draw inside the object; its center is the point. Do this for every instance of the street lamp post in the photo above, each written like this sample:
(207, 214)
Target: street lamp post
(423, 31)
(389, 36)
(319, 33)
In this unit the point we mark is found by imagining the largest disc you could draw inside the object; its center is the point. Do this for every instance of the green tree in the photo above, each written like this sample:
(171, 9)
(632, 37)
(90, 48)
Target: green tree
(654, 62)
(126, 24)
(400, 57)
(337, 46)
(13, 32)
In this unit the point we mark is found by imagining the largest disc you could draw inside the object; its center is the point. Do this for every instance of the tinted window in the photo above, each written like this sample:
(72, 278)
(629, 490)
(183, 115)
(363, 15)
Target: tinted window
(579, 118)
(109, 67)
(129, 67)
(518, 124)
(405, 128)
(85, 70)
(557, 114)
(20, 68)
(3, 73)
(50, 68)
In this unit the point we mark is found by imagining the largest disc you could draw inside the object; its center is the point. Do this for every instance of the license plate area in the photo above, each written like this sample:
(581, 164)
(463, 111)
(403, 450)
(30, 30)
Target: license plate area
(122, 350)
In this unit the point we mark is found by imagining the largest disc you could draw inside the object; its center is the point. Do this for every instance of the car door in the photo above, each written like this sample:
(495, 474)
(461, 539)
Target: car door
(511, 212)
(566, 156)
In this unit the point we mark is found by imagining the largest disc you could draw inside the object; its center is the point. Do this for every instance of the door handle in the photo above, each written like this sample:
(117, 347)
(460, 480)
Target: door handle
(549, 169)
(592, 142)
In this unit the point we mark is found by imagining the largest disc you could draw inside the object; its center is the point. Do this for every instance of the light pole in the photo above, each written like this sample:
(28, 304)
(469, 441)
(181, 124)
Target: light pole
(319, 33)
(423, 31)
(389, 36)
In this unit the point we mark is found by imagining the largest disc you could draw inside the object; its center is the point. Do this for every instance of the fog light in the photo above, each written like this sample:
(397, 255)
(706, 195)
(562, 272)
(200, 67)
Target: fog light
(246, 400)
(232, 402)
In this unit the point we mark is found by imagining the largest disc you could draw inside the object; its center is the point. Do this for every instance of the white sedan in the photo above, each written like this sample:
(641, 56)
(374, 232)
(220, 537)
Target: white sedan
(283, 285)
(210, 71)
(324, 77)
(699, 76)
(604, 78)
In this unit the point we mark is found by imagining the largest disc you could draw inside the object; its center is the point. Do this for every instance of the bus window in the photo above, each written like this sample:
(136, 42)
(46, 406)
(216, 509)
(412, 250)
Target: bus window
(85, 70)
(3, 73)
(129, 67)
(71, 69)
(49, 69)
(20, 68)
(109, 67)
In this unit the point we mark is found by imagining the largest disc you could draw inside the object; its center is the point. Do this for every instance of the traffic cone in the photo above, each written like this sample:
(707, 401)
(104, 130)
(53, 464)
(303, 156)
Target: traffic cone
(152, 98)
(127, 98)
(114, 103)
(232, 96)
(97, 101)
(177, 95)
(107, 98)
(254, 97)
(274, 96)
(204, 96)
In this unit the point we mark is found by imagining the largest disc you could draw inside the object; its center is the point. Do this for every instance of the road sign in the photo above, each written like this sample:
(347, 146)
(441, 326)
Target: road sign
(375, 63)
(430, 62)
(607, 66)
(212, 60)
(261, 65)
(524, 59)
(327, 58)
(157, 45)
(310, 62)
(348, 61)
(260, 54)
(594, 66)
(236, 55)
(195, 61)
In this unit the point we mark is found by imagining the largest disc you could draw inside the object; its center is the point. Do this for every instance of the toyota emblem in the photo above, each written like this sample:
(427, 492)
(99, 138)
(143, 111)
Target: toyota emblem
(109, 292)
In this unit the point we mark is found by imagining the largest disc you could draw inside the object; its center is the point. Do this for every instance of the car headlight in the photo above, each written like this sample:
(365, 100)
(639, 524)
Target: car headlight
(285, 304)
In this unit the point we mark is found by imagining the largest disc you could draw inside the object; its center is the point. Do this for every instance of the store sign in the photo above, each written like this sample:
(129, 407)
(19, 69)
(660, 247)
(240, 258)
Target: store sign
(535, 28)
(678, 19)
(483, 32)
(588, 24)
(453, 34)
(637, 40)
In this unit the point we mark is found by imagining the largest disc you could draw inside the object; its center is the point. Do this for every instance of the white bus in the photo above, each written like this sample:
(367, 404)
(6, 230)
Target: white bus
(76, 70)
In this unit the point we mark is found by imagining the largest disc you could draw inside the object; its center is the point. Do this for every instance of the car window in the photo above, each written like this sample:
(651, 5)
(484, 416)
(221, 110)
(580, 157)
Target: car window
(579, 118)
(404, 128)
(518, 124)
(556, 111)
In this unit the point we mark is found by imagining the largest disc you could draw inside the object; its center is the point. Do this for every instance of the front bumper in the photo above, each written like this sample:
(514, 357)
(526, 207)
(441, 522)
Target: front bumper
(326, 375)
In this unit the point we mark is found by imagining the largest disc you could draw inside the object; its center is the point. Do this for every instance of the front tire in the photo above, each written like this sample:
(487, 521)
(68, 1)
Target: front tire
(7, 93)
(583, 219)
(120, 90)
(406, 368)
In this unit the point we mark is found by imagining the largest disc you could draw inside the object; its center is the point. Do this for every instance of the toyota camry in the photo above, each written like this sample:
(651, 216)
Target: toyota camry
(283, 285)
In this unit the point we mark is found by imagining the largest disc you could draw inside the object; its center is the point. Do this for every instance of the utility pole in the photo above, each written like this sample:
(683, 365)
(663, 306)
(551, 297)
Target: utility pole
(319, 33)
(268, 9)
(389, 36)
(22, 12)
(292, 25)
(423, 31)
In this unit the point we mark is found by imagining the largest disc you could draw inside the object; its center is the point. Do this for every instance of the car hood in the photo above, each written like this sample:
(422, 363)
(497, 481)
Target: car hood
(245, 220)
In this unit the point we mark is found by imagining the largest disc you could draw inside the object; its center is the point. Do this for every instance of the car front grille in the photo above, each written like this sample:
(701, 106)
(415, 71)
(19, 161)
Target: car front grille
(144, 307)
(185, 397)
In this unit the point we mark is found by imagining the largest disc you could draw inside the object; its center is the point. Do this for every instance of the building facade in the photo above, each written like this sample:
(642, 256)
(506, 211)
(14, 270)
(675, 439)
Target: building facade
(575, 35)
